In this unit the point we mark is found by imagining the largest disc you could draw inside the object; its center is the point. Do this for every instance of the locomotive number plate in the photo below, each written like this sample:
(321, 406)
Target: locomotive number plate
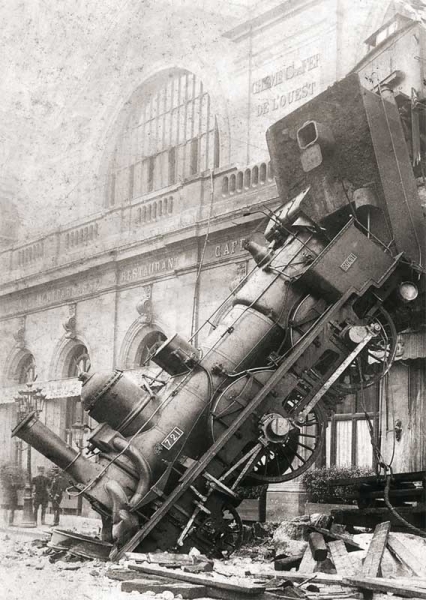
(172, 438)
(348, 262)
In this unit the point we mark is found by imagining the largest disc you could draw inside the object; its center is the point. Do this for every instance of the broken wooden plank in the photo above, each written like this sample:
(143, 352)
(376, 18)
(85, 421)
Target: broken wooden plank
(371, 566)
(342, 560)
(166, 558)
(392, 567)
(377, 584)
(328, 535)
(322, 578)
(217, 581)
(404, 554)
(186, 590)
(415, 581)
(126, 575)
(308, 563)
(317, 545)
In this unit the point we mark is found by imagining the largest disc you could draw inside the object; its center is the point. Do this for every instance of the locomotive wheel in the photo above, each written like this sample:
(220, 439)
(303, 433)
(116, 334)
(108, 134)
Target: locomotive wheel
(288, 448)
(373, 362)
(286, 458)
(224, 531)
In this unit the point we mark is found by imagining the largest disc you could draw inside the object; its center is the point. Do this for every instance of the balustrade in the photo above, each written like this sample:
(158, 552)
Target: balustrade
(246, 179)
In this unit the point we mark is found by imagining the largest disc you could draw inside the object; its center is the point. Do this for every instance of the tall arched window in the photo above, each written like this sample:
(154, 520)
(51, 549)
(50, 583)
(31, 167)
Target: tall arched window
(171, 134)
(26, 369)
(78, 361)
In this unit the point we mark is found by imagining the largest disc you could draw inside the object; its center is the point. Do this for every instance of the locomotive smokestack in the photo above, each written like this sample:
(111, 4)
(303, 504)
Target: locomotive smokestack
(40, 437)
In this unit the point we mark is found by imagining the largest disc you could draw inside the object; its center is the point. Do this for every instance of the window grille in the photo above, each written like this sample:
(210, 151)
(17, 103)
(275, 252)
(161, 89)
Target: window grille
(170, 135)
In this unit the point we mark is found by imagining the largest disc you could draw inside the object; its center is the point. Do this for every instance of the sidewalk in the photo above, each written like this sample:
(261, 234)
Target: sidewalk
(86, 525)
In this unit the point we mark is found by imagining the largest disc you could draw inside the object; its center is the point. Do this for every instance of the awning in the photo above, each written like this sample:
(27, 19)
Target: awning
(65, 388)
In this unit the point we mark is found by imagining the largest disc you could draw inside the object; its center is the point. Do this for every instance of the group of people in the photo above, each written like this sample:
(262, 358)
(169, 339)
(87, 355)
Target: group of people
(45, 488)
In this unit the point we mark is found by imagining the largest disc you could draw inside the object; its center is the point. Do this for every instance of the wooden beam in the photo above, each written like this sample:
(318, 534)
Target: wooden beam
(240, 586)
(343, 561)
(320, 578)
(404, 554)
(371, 566)
(337, 536)
(308, 563)
(317, 545)
(377, 584)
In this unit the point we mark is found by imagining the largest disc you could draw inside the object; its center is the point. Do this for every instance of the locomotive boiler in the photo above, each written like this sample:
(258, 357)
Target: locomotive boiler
(340, 273)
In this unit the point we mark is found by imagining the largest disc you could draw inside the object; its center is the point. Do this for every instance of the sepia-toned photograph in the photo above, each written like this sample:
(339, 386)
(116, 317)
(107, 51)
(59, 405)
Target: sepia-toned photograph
(213, 300)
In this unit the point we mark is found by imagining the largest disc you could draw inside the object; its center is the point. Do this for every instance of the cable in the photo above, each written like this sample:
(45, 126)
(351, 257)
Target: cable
(201, 261)
(387, 469)
(395, 513)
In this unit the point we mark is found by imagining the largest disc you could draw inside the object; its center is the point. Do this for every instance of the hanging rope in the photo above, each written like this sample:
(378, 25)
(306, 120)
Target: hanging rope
(387, 468)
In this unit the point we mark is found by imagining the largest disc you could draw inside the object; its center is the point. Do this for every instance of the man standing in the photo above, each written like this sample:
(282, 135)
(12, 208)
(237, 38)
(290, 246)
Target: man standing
(41, 496)
(56, 491)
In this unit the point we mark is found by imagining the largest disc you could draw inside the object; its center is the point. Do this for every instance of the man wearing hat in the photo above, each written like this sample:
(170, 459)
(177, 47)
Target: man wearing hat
(56, 490)
(41, 495)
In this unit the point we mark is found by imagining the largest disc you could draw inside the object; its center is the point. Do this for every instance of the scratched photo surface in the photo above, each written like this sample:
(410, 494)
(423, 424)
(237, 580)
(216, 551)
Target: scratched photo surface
(135, 167)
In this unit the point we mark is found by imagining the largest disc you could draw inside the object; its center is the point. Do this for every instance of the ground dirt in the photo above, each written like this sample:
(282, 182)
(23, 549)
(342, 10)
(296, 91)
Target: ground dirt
(26, 573)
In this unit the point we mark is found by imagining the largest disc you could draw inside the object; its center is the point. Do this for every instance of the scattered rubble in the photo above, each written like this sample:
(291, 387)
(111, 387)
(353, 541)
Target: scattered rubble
(310, 559)
(334, 565)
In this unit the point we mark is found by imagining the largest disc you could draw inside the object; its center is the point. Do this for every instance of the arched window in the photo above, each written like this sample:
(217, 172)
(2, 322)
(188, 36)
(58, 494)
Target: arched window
(26, 369)
(170, 134)
(147, 347)
(77, 362)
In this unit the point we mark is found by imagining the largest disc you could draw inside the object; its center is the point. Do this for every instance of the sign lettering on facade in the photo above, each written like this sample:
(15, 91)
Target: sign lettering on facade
(286, 73)
(287, 91)
(66, 292)
(282, 100)
(146, 269)
(229, 247)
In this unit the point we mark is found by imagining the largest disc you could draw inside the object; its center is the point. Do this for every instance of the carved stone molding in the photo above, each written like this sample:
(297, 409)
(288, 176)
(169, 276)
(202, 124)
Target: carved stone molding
(70, 324)
(144, 305)
(19, 335)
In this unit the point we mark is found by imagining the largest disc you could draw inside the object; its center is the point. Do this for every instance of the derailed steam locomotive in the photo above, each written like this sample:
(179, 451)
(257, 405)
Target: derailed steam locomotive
(342, 271)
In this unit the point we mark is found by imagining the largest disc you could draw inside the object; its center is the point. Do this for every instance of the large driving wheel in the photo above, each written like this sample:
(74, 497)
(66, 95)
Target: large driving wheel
(292, 447)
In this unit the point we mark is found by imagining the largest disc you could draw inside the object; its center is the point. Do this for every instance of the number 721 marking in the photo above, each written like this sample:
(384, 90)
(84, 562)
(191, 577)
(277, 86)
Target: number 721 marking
(171, 439)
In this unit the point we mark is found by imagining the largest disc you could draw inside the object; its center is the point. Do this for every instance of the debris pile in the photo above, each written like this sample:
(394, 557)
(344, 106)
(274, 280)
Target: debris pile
(307, 559)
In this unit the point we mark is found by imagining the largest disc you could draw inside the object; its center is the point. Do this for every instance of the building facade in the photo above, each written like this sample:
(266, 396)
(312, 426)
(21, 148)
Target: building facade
(152, 169)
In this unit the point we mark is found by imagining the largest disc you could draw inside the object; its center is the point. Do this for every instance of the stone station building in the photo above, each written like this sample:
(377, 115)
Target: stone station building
(126, 209)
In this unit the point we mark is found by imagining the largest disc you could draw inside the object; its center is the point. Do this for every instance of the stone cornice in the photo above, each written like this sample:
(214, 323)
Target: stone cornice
(277, 13)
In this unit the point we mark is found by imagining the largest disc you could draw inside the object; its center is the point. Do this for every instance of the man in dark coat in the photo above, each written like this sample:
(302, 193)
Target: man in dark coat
(9, 497)
(56, 490)
(41, 495)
